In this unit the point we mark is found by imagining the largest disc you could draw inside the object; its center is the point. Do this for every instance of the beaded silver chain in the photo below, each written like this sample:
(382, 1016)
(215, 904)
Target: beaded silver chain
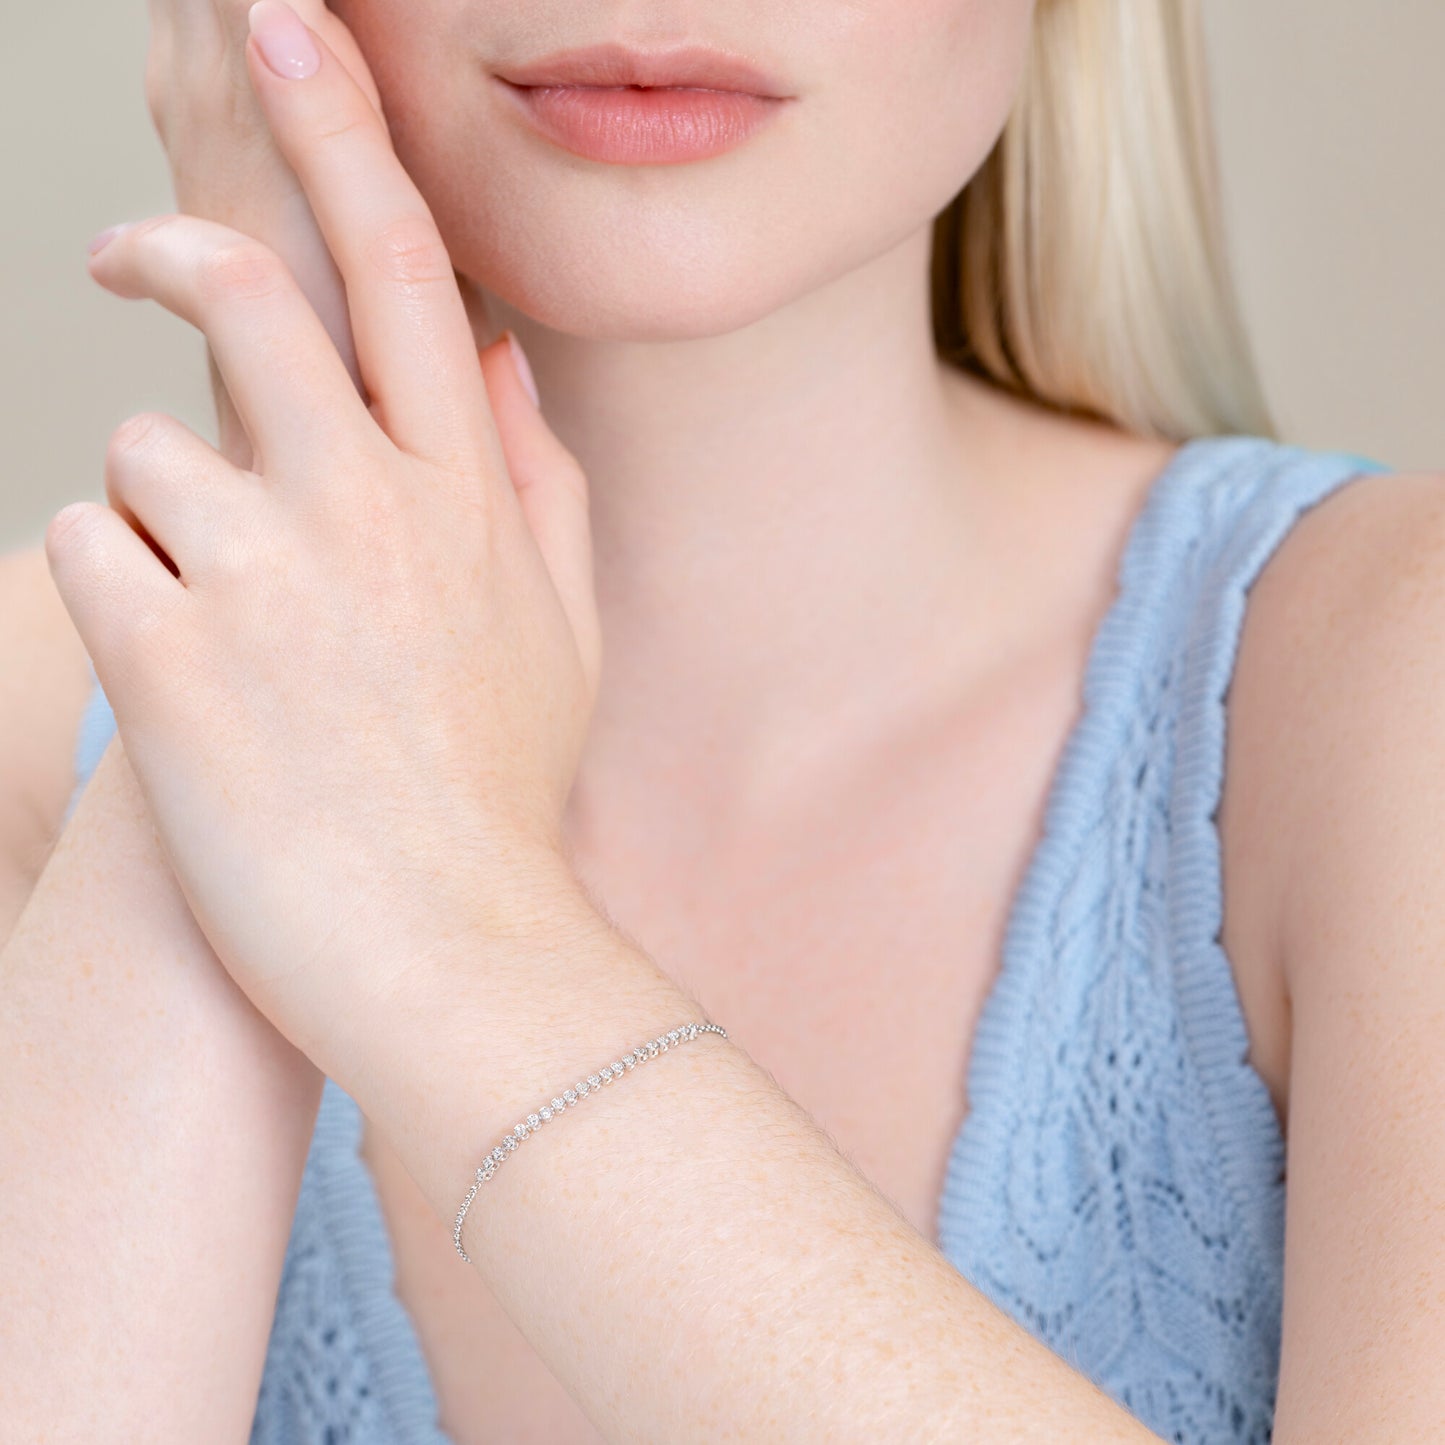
(569, 1099)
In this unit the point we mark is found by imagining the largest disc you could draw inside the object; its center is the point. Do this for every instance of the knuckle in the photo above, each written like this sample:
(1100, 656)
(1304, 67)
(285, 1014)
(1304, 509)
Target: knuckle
(232, 560)
(154, 225)
(409, 252)
(380, 512)
(148, 627)
(132, 437)
(241, 271)
(343, 128)
(140, 235)
(73, 523)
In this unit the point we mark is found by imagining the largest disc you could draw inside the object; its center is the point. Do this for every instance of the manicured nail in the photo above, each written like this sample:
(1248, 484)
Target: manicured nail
(524, 367)
(284, 42)
(104, 238)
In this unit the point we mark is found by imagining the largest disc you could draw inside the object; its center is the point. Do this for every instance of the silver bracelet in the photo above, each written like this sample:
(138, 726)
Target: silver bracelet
(569, 1099)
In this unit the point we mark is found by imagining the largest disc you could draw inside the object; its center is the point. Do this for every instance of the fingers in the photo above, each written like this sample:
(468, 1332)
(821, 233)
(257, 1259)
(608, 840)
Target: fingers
(552, 489)
(231, 439)
(171, 484)
(414, 344)
(289, 384)
(115, 588)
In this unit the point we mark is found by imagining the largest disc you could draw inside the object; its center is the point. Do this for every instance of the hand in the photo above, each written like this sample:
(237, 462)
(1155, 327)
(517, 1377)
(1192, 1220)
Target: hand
(355, 694)
(225, 164)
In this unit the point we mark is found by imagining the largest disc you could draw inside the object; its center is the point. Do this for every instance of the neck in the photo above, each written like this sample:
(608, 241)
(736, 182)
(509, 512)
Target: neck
(787, 530)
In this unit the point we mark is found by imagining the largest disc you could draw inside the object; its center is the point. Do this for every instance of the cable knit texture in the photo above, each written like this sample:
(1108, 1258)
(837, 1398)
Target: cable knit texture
(1117, 1186)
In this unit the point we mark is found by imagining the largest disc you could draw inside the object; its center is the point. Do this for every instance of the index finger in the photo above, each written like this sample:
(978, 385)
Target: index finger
(414, 344)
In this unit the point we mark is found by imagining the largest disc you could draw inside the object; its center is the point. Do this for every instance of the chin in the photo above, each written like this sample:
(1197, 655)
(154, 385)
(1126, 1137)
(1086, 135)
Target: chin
(599, 294)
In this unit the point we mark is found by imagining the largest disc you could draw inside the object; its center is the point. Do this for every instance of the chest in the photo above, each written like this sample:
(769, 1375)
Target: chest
(822, 949)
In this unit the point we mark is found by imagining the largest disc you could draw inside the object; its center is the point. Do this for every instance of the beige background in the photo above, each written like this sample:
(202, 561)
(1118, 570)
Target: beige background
(1332, 126)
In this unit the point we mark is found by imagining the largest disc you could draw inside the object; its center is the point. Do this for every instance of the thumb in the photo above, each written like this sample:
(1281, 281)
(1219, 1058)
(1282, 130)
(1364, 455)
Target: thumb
(551, 488)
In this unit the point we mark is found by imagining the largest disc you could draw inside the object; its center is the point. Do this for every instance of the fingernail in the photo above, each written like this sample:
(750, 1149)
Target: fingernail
(100, 241)
(524, 368)
(284, 42)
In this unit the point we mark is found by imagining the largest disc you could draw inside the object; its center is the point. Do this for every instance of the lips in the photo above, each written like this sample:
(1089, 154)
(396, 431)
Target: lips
(688, 67)
(622, 106)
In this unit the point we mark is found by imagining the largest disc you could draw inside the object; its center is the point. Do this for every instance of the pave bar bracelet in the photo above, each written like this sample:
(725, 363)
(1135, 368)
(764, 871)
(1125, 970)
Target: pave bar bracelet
(569, 1099)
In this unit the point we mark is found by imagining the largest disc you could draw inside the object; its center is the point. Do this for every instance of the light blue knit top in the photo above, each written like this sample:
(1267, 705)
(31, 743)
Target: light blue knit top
(1117, 1186)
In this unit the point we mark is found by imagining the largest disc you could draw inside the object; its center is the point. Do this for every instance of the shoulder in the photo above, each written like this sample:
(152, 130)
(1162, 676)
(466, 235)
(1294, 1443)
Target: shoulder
(1336, 705)
(1338, 732)
(1340, 673)
(44, 685)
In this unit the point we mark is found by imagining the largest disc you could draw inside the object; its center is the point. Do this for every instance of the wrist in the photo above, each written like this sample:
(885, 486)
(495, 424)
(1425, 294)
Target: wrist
(484, 960)
(475, 1037)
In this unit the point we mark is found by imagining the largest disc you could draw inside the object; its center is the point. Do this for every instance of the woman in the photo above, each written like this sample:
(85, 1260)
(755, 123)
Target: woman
(474, 746)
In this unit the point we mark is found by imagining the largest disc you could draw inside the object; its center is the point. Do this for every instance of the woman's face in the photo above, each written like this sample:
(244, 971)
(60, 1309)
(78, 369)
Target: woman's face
(896, 104)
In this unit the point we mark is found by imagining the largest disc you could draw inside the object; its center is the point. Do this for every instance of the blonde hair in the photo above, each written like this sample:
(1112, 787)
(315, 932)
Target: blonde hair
(1084, 264)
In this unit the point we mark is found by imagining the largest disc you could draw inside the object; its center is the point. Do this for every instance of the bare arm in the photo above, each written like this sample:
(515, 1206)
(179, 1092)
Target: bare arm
(44, 683)
(154, 1127)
